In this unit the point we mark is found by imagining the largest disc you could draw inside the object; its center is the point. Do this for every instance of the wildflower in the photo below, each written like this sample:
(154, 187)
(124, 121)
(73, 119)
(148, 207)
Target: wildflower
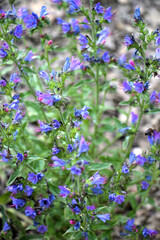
(103, 35)
(75, 64)
(85, 26)
(77, 225)
(6, 227)
(56, 124)
(30, 21)
(119, 199)
(75, 171)
(134, 117)
(55, 151)
(129, 66)
(3, 53)
(150, 159)
(125, 169)
(29, 212)
(28, 190)
(53, 75)
(64, 192)
(44, 203)
(18, 202)
(65, 27)
(43, 11)
(129, 225)
(70, 148)
(83, 146)
(112, 196)
(97, 190)
(5, 156)
(124, 130)
(137, 15)
(66, 65)
(145, 185)
(106, 57)
(18, 31)
(138, 87)
(58, 162)
(140, 160)
(127, 86)
(34, 178)
(5, 46)
(17, 117)
(15, 188)
(157, 53)
(108, 15)
(14, 105)
(83, 113)
(42, 229)
(148, 177)
(104, 217)
(97, 179)
(3, 83)
(47, 98)
(98, 8)
(146, 85)
(83, 41)
(19, 157)
(29, 56)
(74, 5)
(158, 40)
(15, 78)
(75, 26)
(154, 97)
(132, 157)
(129, 40)
(122, 60)
(76, 210)
(44, 127)
(44, 75)
(90, 208)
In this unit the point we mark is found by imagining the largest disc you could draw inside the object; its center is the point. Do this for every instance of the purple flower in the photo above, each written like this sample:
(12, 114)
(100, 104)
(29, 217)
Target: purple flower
(5, 46)
(97, 179)
(40, 176)
(122, 60)
(132, 157)
(108, 15)
(83, 146)
(75, 26)
(128, 40)
(17, 117)
(44, 203)
(15, 188)
(85, 26)
(14, 105)
(64, 192)
(158, 40)
(145, 185)
(44, 127)
(119, 199)
(75, 64)
(6, 227)
(4, 154)
(124, 130)
(106, 57)
(32, 177)
(15, 78)
(125, 169)
(139, 87)
(145, 232)
(97, 190)
(154, 98)
(77, 225)
(55, 151)
(112, 196)
(66, 65)
(98, 8)
(90, 208)
(70, 148)
(83, 41)
(30, 21)
(29, 212)
(104, 217)
(148, 177)
(129, 225)
(3, 53)
(18, 31)
(83, 113)
(129, 66)
(56, 124)
(65, 27)
(19, 157)
(75, 171)
(18, 202)
(29, 56)
(137, 15)
(47, 98)
(3, 83)
(42, 229)
(51, 198)
(44, 75)
(134, 117)
(127, 86)
(43, 11)
(103, 35)
(140, 160)
(22, 12)
(76, 210)
(28, 190)
(157, 53)
(152, 232)
(74, 5)
(58, 162)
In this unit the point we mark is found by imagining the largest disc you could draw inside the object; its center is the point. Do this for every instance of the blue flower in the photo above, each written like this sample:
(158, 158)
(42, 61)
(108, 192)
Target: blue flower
(42, 229)
(83, 113)
(119, 199)
(30, 21)
(145, 185)
(44, 203)
(3, 53)
(15, 78)
(124, 130)
(122, 60)
(158, 40)
(134, 117)
(104, 217)
(66, 65)
(132, 157)
(145, 232)
(18, 202)
(127, 86)
(40, 176)
(29, 56)
(129, 66)
(97, 190)
(140, 160)
(97, 179)
(4, 154)
(43, 11)
(76, 210)
(56, 124)
(129, 225)
(70, 148)
(28, 190)
(108, 15)
(47, 98)
(125, 169)
(129, 40)
(137, 15)
(106, 57)
(55, 151)
(18, 31)
(98, 8)
(44, 127)
(19, 157)
(139, 87)
(58, 162)
(32, 177)
(75, 171)
(112, 196)
(29, 212)
(64, 192)
(83, 146)
(103, 35)
(75, 26)
(77, 225)
(75, 64)
(44, 75)
(83, 41)
(6, 227)
(65, 27)
(74, 5)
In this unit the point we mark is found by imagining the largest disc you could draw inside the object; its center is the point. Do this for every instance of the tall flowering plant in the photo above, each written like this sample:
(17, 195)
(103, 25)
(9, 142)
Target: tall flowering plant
(68, 179)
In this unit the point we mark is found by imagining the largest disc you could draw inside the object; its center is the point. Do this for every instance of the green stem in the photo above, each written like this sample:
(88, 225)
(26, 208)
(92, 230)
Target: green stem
(64, 124)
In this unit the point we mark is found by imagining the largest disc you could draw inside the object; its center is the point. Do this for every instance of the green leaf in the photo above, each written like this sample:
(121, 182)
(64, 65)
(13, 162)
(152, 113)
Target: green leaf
(34, 108)
(31, 237)
(83, 82)
(91, 235)
(37, 163)
(54, 189)
(125, 143)
(4, 198)
(28, 70)
(100, 166)
(13, 176)
(153, 111)
(70, 230)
